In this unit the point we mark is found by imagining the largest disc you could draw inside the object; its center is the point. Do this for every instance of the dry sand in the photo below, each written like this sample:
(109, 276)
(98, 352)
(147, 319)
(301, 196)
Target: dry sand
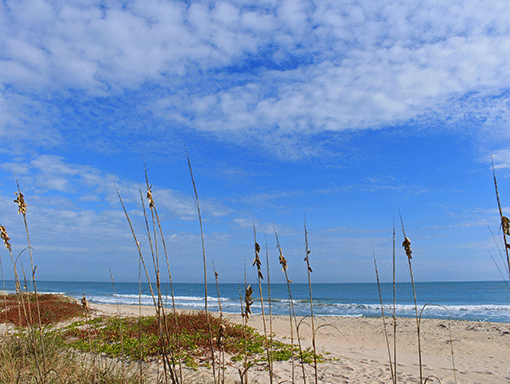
(356, 349)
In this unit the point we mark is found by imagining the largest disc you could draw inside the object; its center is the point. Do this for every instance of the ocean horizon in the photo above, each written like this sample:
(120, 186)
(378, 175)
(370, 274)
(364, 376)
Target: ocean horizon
(471, 300)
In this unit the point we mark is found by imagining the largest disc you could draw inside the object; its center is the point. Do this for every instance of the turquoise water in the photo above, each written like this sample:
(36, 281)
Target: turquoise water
(481, 300)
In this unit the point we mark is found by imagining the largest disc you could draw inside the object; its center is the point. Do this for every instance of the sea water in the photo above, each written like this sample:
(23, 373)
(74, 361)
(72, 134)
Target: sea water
(478, 301)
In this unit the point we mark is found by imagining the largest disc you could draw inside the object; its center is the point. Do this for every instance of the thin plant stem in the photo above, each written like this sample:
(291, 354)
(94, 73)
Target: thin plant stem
(3, 288)
(270, 311)
(205, 267)
(155, 260)
(221, 336)
(260, 277)
(309, 270)
(414, 295)
(500, 255)
(139, 249)
(174, 310)
(292, 313)
(154, 211)
(383, 317)
(153, 252)
(504, 221)
(140, 319)
(243, 373)
(394, 311)
(23, 210)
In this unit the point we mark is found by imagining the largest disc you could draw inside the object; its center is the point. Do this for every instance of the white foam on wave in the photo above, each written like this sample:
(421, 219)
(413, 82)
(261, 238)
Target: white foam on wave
(167, 297)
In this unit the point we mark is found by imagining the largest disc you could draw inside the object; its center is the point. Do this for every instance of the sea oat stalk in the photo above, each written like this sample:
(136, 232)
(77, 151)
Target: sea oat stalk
(205, 267)
(505, 223)
(22, 208)
(170, 362)
(258, 263)
(394, 311)
(309, 271)
(292, 313)
(176, 335)
(270, 312)
(406, 244)
(138, 247)
(383, 317)
(221, 335)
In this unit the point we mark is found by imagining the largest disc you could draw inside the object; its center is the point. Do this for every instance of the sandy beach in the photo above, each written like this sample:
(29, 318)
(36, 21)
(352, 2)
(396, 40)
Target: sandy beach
(356, 351)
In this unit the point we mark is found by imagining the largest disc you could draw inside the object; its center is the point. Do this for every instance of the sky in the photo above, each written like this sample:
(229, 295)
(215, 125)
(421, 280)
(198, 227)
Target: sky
(340, 112)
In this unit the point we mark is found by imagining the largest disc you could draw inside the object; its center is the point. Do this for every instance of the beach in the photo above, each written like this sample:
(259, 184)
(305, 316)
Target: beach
(356, 351)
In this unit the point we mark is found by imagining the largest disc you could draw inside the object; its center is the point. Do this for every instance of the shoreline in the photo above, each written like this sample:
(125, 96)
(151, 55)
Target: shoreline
(356, 352)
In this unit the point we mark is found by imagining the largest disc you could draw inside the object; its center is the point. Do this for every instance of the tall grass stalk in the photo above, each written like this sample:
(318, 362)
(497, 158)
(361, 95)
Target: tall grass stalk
(309, 270)
(140, 254)
(205, 267)
(221, 336)
(3, 288)
(175, 334)
(22, 208)
(383, 318)
(17, 283)
(503, 278)
(243, 373)
(156, 272)
(292, 312)
(168, 356)
(394, 311)
(270, 312)
(140, 358)
(283, 263)
(407, 246)
(153, 248)
(505, 222)
(260, 277)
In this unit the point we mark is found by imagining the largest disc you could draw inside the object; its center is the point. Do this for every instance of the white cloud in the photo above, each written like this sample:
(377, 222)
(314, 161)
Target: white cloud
(310, 67)
(501, 158)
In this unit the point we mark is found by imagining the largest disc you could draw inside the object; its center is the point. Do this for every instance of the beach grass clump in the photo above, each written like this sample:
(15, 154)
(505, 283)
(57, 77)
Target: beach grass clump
(19, 364)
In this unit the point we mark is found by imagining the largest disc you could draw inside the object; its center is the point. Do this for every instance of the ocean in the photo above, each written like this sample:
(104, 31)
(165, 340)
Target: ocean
(476, 300)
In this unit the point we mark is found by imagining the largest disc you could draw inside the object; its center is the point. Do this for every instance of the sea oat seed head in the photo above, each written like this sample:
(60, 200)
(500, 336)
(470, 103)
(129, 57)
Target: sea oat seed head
(20, 200)
(505, 223)
(221, 336)
(283, 262)
(5, 238)
(407, 246)
(248, 301)
(150, 198)
(256, 261)
(85, 303)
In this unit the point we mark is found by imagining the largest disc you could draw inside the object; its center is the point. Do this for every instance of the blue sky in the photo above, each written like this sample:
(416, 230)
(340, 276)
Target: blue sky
(340, 111)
